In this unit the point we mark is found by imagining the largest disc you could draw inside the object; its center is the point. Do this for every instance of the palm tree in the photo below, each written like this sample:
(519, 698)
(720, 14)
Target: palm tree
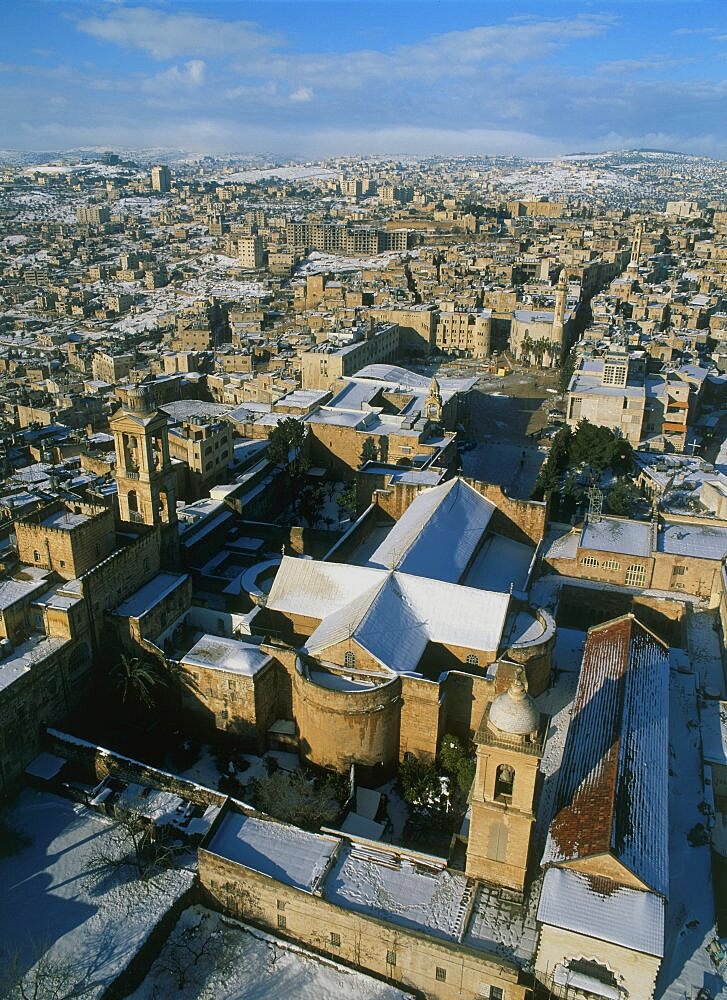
(135, 679)
(526, 347)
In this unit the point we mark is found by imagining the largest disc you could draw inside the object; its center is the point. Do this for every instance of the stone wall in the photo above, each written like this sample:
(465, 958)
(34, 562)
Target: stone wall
(68, 550)
(338, 727)
(102, 762)
(367, 943)
(421, 720)
(117, 577)
(634, 971)
(41, 696)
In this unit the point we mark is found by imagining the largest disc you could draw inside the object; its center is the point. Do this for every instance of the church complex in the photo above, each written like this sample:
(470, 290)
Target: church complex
(421, 619)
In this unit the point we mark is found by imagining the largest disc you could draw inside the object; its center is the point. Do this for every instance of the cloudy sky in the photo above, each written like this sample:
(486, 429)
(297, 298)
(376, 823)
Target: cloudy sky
(311, 78)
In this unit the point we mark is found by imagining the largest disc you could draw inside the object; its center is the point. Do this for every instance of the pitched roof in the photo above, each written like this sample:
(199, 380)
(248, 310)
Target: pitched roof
(603, 910)
(612, 791)
(438, 534)
(399, 615)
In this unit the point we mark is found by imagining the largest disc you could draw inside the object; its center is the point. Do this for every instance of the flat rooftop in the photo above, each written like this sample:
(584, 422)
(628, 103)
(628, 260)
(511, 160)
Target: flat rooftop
(64, 520)
(284, 853)
(217, 652)
(150, 594)
(400, 889)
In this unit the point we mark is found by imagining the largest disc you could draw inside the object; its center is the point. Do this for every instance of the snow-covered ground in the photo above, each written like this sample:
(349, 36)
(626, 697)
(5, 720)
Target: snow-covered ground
(690, 917)
(56, 894)
(242, 963)
(705, 652)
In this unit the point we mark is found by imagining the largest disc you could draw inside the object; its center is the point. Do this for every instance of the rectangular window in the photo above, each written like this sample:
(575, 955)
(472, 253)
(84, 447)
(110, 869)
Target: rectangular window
(441, 974)
(611, 564)
(281, 904)
(678, 570)
(282, 922)
(391, 958)
(496, 993)
(335, 939)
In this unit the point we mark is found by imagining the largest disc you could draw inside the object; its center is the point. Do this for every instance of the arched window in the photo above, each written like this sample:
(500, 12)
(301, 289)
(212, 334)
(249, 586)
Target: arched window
(504, 781)
(473, 659)
(349, 660)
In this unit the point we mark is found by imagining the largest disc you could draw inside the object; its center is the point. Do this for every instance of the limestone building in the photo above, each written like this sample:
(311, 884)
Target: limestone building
(607, 856)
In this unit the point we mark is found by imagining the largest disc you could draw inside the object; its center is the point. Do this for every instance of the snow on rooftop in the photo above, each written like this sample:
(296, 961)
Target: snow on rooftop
(285, 853)
(627, 917)
(220, 653)
(702, 541)
(146, 597)
(501, 563)
(615, 534)
(400, 889)
(438, 533)
(714, 731)
(612, 795)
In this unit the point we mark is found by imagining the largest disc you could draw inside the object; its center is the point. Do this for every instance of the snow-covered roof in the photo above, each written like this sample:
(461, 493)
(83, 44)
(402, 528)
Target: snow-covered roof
(617, 534)
(702, 541)
(629, 917)
(612, 795)
(396, 888)
(217, 652)
(438, 534)
(146, 597)
(315, 589)
(372, 605)
(282, 852)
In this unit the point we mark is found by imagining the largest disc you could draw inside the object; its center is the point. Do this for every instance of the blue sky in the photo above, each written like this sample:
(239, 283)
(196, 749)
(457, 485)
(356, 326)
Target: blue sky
(313, 78)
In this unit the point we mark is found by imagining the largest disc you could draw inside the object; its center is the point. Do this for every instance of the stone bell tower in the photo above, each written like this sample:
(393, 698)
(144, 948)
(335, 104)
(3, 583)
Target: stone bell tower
(143, 468)
(636, 249)
(557, 335)
(433, 404)
(509, 748)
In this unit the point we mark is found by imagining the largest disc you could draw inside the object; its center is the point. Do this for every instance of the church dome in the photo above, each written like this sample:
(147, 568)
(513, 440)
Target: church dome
(515, 712)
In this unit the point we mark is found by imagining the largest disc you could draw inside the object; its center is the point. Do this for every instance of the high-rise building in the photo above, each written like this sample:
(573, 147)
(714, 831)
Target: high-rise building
(161, 178)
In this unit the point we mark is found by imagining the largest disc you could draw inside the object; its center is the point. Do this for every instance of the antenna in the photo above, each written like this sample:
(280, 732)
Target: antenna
(595, 504)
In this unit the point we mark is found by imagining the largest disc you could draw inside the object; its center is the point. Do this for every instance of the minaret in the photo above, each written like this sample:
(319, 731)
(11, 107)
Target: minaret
(636, 248)
(509, 748)
(557, 334)
(143, 468)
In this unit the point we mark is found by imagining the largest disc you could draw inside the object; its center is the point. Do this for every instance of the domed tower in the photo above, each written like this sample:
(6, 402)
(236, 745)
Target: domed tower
(433, 404)
(509, 748)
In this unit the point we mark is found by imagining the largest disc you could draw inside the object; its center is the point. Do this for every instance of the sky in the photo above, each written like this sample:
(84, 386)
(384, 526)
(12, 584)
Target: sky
(313, 78)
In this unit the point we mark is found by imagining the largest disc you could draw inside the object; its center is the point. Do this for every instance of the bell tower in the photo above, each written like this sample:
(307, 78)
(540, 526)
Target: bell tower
(433, 404)
(509, 748)
(143, 467)
(561, 294)
(636, 248)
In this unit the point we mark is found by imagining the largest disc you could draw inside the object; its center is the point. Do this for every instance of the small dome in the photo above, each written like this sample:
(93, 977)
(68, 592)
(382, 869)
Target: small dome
(515, 712)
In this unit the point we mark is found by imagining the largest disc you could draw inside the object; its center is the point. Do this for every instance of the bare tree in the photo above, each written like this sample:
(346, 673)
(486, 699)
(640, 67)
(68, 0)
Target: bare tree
(134, 852)
(195, 949)
(50, 977)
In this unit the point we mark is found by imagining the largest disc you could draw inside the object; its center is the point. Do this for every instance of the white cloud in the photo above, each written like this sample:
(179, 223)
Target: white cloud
(165, 35)
(303, 95)
(190, 76)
